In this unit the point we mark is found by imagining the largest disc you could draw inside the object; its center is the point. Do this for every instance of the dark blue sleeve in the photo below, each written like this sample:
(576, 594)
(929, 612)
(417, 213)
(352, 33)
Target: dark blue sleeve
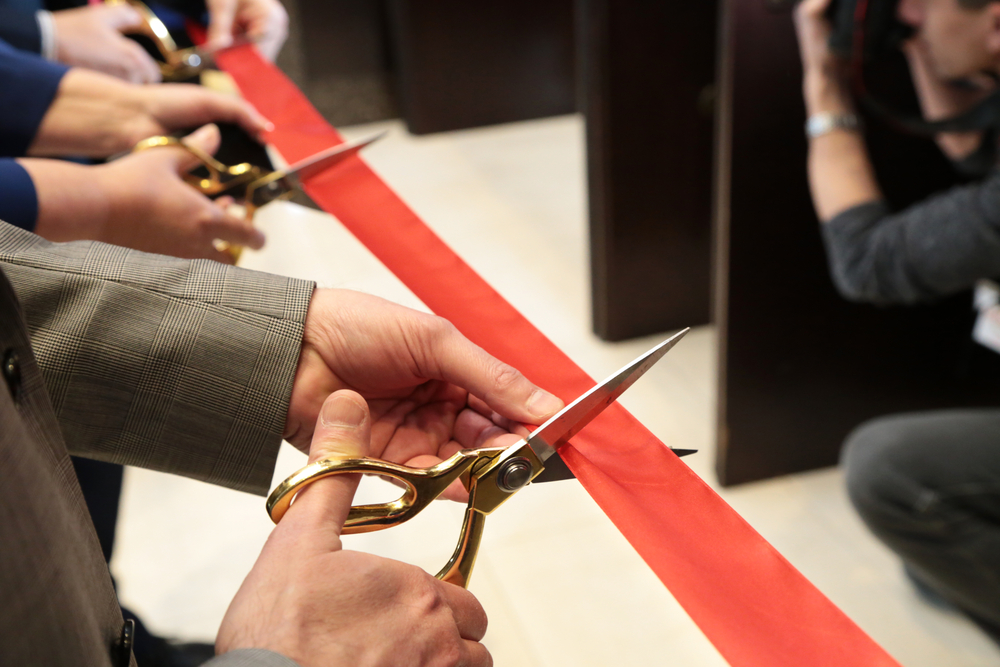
(19, 28)
(28, 84)
(18, 200)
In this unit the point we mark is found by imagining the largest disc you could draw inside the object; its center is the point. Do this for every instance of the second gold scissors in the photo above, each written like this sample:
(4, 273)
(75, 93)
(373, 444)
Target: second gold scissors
(252, 185)
(490, 475)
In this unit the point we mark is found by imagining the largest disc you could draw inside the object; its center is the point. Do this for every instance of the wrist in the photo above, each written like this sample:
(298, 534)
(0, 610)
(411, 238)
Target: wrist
(110, 201)
(73, 202)
(826, 92)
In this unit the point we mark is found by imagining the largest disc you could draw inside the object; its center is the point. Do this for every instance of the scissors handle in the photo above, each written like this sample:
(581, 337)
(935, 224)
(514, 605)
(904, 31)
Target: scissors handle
(491, 475)
(458, 570)
(222, 179)
(423, 485)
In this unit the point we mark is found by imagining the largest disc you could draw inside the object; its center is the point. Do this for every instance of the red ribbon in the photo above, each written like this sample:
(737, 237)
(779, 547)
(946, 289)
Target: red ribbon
(750, 602)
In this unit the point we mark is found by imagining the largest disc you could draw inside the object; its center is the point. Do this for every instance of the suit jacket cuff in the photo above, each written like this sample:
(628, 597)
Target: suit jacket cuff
(19, 28)
(29, 84)
(18, 199)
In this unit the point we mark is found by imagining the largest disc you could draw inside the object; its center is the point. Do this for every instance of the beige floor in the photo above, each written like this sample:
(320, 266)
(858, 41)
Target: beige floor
(562, 587)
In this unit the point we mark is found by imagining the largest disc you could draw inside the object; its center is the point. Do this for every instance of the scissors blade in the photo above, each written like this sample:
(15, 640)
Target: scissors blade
(314, 164)
(569, 421)
(556, 469)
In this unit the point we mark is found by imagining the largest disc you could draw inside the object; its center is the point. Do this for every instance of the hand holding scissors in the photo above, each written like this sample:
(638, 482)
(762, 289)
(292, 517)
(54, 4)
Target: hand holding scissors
(250, 184)
(490, 475)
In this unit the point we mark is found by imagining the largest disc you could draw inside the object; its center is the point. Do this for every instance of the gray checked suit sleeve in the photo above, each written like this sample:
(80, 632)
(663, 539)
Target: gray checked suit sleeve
(174, 365)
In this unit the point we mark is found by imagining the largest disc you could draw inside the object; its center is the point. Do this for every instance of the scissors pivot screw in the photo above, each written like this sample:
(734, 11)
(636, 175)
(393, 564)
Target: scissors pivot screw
(515, 474)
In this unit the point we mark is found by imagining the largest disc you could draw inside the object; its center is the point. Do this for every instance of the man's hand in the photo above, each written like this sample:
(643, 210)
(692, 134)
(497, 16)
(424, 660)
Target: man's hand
(91, 37)
(309, 600)
(264, 22)
(139, 201)
(96, 115)
(823, 81)
(431, 391)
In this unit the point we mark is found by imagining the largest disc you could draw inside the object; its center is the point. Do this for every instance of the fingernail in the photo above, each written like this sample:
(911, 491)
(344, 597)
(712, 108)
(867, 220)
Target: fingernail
(205, 130)
(542, 403)
(258, 240)
(269, 126)
(342, 411)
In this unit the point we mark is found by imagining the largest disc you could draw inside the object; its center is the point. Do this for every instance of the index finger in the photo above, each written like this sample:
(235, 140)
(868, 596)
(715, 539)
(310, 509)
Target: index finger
(212, 107)
(499, 385)
(239, 111)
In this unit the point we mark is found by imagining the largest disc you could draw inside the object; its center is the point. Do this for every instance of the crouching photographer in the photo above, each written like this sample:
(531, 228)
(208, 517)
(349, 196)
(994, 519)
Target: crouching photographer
(927, 484)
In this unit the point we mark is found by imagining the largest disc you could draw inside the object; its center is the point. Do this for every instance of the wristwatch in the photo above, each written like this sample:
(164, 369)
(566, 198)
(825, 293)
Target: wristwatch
(823, 123)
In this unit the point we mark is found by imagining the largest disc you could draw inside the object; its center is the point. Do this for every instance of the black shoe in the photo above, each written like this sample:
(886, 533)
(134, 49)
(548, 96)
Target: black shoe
(935, 599)
(926, 593)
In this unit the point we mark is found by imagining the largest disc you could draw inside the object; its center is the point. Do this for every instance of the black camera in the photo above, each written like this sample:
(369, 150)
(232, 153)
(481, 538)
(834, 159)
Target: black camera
(869, 25)
(873, 22)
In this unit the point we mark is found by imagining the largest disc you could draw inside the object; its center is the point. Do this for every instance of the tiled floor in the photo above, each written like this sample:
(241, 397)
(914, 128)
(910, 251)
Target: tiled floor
(562, 587)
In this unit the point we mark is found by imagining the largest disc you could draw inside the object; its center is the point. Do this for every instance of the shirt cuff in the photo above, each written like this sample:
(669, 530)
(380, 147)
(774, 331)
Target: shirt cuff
(47, 31)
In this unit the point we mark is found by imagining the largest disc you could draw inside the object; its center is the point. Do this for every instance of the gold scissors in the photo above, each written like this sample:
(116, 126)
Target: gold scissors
(490, 475)
(253, 185)
(178, 64)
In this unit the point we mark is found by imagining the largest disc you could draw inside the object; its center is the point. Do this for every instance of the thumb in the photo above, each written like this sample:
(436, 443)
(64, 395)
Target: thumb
(343, 430)
(205, 139)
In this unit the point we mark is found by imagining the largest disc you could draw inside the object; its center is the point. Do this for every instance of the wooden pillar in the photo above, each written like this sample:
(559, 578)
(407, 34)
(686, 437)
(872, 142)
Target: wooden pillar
(646, 72)
(463, 64)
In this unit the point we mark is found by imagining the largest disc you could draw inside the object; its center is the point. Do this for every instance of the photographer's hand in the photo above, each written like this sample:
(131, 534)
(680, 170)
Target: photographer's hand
(823, 81)
(840, 172)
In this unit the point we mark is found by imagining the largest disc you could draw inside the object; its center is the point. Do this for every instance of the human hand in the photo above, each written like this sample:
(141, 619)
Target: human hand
(431, 391)
(152, 208)
(96, 115)
(265, 22)
(823, 81)
(308, 599)
(92, 37)
(139, 201)
(813, 29)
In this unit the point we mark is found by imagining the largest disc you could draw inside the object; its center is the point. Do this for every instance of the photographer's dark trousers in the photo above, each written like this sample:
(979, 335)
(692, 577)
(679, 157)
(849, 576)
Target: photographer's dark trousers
(928, 485)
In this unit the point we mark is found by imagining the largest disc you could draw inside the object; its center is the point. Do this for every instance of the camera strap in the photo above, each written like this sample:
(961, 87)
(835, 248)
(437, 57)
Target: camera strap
(983, 116)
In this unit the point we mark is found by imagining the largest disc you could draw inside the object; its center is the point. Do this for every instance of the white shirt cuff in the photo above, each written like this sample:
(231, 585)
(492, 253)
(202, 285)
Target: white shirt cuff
(47, 30)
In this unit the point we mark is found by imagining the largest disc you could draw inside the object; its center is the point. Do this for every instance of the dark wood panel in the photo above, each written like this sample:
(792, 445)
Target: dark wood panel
(465, 64)
(646, 71)
(338, 53)
(799, 366)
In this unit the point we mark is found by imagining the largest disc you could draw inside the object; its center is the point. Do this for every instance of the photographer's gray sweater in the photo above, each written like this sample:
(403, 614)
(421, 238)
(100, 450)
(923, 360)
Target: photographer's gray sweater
(937, 247)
